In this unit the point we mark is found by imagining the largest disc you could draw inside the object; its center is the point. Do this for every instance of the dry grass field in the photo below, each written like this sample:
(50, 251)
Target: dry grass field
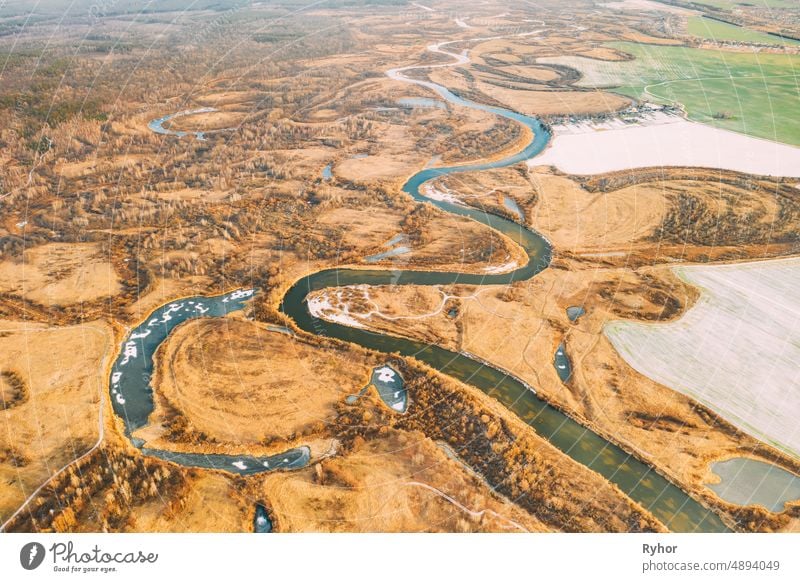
(557, 102)
(210, 504)
(655, 215)
(519, 329)
(52, 381)
(600, 227)
(211, 121)
(398, 482)
(301, 169)
(60, 274)
(237, 382)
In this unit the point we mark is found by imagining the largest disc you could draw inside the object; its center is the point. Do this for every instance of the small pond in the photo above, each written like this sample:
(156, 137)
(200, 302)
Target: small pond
(261, 522)
(562, 363)
(574, 312)
(389, 385)
(749, 482)
(512, 205)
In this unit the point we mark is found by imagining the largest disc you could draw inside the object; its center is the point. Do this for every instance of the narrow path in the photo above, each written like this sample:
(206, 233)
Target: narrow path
(465, 509)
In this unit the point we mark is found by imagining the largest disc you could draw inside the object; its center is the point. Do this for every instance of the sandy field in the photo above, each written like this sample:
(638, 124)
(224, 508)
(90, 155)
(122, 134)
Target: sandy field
(737, 350)
(60, 274)
(56, 420)
(676, 143)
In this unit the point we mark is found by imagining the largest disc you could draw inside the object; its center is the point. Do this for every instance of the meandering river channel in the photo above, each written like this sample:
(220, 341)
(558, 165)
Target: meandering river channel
(677, 510)
(132, 395)
(132, 392)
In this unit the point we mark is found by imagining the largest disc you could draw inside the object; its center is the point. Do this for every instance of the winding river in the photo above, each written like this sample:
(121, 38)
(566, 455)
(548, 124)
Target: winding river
(677, 510)
(132, 392)
(157, 125)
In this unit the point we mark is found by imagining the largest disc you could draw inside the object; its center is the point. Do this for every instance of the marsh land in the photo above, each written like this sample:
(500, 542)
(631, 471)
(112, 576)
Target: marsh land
(379, 266)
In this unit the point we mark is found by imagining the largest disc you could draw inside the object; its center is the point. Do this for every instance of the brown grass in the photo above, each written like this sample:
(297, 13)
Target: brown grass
(556, 102)
(60, 273)
(237, 382)
(207, 121)
(62, 371)
(387, 485)
(518, 328)
(438, 240)
(576, 220)
(210, 504)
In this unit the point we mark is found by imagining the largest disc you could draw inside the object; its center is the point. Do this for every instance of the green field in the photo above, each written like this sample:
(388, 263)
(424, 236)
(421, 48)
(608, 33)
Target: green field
(753, 93)
(702, 27)
(729, 4)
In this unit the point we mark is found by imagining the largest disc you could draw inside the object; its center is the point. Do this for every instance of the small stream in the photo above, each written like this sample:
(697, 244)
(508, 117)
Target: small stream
(675, 508)
(157, 125)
